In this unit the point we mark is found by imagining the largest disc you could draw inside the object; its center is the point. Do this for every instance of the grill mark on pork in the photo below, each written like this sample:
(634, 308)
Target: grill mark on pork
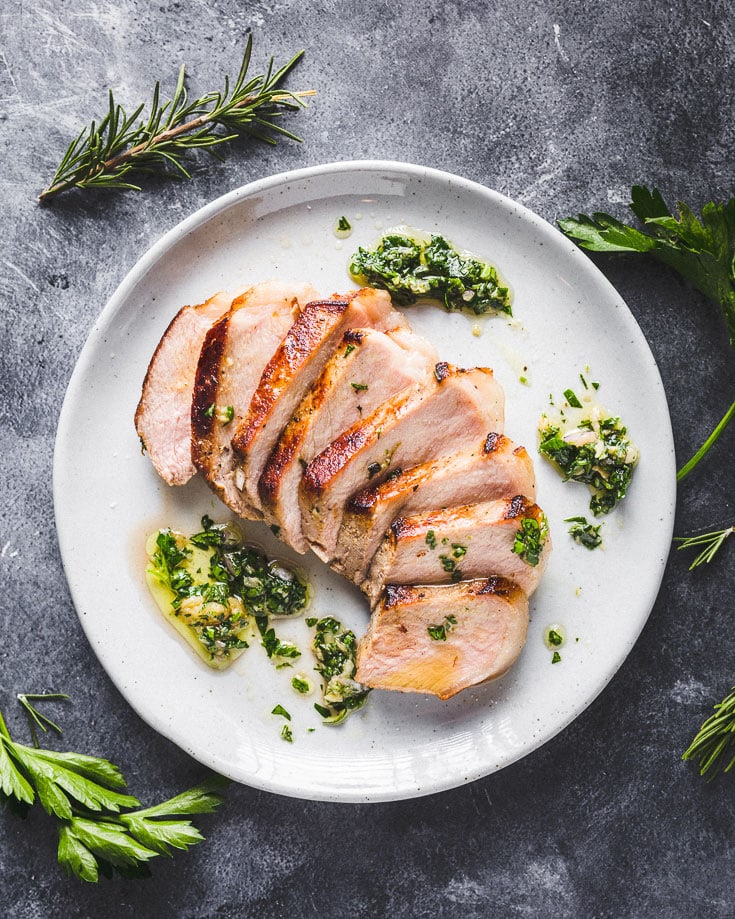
(518, 506)
(441, 371)
(454, 480)
(485, 533)
(389, 360)
(296, 346)
(492, 441)
(205, 390)
(295, 366)
(495, 584)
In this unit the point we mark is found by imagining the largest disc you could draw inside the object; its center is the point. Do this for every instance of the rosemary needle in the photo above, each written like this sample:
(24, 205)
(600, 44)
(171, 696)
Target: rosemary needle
(715, 740)
(105, 153)
(710, 541)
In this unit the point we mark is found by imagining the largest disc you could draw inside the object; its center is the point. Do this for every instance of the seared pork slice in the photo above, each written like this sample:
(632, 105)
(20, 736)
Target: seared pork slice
(367, 367)
(234, 353)
(450, 411)
(492, 468)
(163, 416)
(443, 639)
(294, 367)
(508, 538)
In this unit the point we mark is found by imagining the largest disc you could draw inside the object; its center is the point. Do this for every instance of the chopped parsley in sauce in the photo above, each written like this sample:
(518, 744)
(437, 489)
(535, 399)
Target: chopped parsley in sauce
(219, 593)
(301, 684)
(593, 448)
(342, 228)
(554, 637)
(335, 649)
(530, 539)
(412, 269)
(585, 533)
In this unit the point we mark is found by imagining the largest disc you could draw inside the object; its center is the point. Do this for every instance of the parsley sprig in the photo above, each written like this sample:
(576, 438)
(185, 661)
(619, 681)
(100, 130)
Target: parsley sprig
(700, 250)
(102, 830)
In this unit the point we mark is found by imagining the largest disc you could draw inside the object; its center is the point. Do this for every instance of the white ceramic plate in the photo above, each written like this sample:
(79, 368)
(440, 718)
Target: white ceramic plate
(108, 498)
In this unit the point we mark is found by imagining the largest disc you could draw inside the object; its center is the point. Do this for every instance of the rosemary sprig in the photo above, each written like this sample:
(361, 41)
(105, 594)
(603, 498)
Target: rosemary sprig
(710, 541)
(715, 740)
(702, 250)
(105, 153)
(98, 830)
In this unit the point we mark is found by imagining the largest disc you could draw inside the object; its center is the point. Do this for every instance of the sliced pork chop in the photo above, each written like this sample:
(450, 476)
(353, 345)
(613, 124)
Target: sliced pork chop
(461, 543)
(443, 639)
(294, 367)
(234, 353)
(367, 367)
(493, 468)
(450, 411)
(163, 416)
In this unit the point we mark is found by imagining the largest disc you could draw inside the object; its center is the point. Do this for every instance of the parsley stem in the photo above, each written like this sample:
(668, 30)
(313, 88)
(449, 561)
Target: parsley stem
(687, 468)
(3, 728)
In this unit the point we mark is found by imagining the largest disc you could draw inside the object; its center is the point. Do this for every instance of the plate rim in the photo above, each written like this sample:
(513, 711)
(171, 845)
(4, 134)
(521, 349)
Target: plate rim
(148, 260)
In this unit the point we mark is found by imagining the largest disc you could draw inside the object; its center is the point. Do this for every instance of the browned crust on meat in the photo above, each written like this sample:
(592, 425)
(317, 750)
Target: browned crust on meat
(405, 595)
(408, 526)
(288, 444)
(298, 344)
(493, 442)
(354, 336)
(281, 456)
(336, 456)
(520, 506)
(495, 584)
(322, 468)
(364, 501)
(205, 392)
(403, 527)
(441, 371)
(397, 594)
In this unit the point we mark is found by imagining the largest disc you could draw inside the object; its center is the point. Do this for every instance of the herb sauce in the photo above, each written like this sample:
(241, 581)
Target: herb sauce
(411, 269)
(335, 650)
(584, 533)
(220, 594)
(530, 539)
(587, 445)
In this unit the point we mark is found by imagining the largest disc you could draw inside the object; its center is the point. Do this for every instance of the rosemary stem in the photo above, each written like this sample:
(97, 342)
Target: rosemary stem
(163, 137)
(687, 468)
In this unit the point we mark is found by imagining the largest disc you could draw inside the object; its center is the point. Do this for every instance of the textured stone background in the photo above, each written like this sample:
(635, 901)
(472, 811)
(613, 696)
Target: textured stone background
(560, 105)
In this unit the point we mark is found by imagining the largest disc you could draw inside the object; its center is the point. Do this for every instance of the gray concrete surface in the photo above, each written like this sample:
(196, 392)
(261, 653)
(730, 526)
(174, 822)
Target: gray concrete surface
(560, 105)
